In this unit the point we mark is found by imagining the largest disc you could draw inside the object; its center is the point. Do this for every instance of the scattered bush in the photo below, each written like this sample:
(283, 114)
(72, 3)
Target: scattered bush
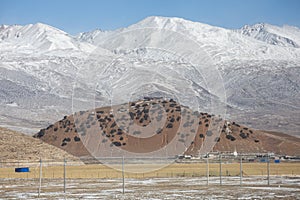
(41, 133)
(230, 137)
(104, 140)
(209, 133)
(170, 125)
(66, 140)
(243, 135)
(117, 144)
(49, 127)
(76, 139)
(158, 131)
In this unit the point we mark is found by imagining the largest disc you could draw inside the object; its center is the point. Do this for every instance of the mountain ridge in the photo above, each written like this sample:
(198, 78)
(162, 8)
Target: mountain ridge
(260, 78)
(270, 32)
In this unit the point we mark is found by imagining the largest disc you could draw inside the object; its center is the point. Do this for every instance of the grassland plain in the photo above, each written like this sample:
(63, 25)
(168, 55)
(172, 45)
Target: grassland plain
(56, 170)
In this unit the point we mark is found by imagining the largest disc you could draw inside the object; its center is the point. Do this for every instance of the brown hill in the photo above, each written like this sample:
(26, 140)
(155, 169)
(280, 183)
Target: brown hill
(153, 123)
(17, 146)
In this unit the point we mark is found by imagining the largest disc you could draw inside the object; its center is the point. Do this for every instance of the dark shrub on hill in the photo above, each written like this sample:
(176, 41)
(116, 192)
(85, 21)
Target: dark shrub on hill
(209, 133)
(41, 133)
(230, 137)
(66, 140)
(170, 125)
(49, 127)
(117, 144)
(76, 139)
(243, 135)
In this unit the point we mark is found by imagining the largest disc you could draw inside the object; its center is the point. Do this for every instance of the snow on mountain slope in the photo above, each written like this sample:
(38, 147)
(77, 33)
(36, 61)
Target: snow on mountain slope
(38, 38)
(259, 68)
(221, 44)
(259, 65)
(281, 36)
(93, 37)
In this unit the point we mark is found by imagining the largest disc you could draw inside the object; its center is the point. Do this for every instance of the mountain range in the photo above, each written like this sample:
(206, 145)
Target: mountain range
(248, 75)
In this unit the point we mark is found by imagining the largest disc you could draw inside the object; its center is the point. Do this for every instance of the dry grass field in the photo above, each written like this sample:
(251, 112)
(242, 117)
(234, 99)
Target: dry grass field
(56, 170)
(175, 181)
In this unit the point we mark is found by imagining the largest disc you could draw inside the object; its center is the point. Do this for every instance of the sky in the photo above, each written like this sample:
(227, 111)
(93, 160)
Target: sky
(75, 16)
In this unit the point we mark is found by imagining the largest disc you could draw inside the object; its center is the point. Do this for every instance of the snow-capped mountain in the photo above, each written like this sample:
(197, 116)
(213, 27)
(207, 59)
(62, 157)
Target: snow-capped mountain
(38, 38)
(221, 44)
(42, 68)
(281, 36)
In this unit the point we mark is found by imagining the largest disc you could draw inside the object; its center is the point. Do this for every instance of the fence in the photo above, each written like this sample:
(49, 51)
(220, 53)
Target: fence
(215, 171)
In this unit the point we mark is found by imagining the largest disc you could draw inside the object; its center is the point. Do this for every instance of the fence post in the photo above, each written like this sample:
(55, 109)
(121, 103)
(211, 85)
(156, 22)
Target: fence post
(123, 178)
(241, 171)
(220, 169)
(207, 171)
(40, 179)
(268, 166)
(65, 163)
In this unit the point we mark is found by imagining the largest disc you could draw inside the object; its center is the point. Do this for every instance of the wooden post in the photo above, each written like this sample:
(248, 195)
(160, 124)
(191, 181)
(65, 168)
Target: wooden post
(268, 165)
(40, 179)
(65, 163)
(207, 171)
(220, 169)
(123, 178)
(241, 171)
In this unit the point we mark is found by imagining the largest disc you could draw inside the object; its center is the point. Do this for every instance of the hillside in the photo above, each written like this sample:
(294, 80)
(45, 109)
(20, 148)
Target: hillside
(159, 127)
(15, 146)
(253, 71)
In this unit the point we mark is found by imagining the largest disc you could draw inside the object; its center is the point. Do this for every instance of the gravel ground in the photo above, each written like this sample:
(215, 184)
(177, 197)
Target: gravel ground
(157, 188)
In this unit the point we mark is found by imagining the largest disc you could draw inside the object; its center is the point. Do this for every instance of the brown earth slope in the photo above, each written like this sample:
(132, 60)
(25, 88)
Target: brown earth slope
(17, 146)
(153, 123)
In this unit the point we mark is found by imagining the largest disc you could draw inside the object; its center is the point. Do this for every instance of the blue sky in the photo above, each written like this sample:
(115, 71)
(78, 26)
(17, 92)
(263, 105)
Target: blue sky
(74, 16)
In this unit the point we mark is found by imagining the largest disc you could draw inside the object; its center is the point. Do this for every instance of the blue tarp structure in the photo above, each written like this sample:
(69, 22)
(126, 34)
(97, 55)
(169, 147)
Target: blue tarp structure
(22, 169)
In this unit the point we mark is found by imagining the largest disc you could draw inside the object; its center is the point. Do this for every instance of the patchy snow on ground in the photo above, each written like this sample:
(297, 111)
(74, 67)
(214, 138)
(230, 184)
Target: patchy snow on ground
(155, 188)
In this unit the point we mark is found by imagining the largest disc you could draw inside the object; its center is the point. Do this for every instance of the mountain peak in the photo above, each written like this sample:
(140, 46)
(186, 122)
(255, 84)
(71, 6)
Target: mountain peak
(248, 29)
(270, 34)
(3, 26)
(30, 30)
(47, 27)
(161, 21)
(38, 37)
